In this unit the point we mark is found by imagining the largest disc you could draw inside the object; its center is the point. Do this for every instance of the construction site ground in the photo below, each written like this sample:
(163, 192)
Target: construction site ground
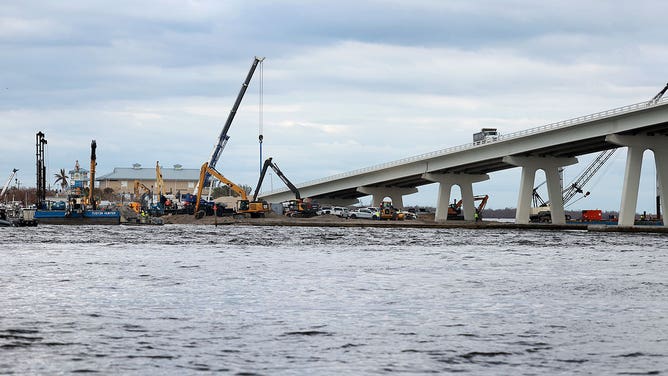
(425, 221)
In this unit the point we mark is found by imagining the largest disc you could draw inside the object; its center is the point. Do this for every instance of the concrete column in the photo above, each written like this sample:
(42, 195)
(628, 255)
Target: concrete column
(636, 146)
(627, 208)
(551, 167)
(661, 161)
(465, 183)
(396, 194)
(554, 191)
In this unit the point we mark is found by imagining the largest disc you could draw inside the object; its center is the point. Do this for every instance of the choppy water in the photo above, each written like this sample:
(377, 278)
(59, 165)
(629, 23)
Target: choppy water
(282, 300)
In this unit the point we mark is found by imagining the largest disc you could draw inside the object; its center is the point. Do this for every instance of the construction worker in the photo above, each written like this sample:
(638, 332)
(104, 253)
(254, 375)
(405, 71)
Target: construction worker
(476, 216)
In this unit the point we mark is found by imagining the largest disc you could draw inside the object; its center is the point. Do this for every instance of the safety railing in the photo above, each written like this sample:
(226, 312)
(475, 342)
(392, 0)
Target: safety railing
(503, 137)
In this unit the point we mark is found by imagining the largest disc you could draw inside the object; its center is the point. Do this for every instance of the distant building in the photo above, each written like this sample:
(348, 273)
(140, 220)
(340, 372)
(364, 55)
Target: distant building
(176, 179)
(78, 177)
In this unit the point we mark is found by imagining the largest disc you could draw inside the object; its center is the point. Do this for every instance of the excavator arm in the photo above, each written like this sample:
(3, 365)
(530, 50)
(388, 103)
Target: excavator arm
(269, 163)
(206, 169)
(159, 183)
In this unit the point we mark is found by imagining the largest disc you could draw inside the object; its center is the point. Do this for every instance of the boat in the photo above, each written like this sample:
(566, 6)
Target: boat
(75, 212)
(79, 209)
(3, 219)
(17, 216)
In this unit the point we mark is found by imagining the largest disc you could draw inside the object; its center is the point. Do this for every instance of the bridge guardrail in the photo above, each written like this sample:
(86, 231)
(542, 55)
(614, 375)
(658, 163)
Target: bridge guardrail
(523, 133)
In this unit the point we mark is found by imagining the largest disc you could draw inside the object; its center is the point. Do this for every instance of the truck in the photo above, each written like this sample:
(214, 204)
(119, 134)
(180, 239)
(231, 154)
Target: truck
(485, 135)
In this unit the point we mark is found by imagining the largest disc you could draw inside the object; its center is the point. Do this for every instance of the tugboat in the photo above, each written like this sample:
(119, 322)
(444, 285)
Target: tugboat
(79, 209)
(3, 218)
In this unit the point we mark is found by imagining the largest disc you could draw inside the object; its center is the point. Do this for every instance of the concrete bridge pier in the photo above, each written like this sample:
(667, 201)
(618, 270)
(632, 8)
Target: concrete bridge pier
(636, 146)
(396, 194)
(551, 167)
(465, 183)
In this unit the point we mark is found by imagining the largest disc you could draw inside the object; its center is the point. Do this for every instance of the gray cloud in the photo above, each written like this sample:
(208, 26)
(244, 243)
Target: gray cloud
(364, 82)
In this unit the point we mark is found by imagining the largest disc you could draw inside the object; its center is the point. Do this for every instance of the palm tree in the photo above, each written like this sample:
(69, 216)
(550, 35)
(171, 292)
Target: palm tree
(62, 178)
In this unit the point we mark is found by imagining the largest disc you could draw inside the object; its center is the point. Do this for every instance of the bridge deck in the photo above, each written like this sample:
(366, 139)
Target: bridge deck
(569, 138)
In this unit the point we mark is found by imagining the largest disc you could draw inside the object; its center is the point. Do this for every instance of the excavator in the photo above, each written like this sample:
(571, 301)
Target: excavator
(254, 209)
(140, 191)
(455, 209)
(295, 208)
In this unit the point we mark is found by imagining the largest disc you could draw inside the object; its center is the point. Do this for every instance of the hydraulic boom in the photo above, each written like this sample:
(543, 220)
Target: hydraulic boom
(254, 208)
(269, 163)
(4, 189)
(223, 137)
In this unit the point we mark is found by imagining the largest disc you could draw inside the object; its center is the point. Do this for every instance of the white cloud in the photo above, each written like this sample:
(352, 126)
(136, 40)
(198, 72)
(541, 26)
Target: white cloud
(347, 85)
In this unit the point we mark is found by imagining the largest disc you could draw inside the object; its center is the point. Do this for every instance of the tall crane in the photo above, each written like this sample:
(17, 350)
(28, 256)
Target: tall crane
(223, 137)
(4, 189)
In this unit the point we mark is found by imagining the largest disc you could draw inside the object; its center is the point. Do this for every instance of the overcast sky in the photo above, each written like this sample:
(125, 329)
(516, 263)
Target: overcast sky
(347, 84)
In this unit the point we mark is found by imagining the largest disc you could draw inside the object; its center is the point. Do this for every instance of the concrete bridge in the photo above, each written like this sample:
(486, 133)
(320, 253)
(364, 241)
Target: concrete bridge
(638, 127)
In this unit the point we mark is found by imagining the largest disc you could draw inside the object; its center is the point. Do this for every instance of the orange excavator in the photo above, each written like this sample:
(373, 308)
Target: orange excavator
(455, 209)
(254, 209)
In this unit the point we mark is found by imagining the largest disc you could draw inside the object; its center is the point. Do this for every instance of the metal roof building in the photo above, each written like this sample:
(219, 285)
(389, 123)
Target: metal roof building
(177, 178)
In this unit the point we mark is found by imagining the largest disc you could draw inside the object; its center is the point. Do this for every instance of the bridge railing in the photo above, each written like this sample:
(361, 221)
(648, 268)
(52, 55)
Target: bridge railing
(503, 137)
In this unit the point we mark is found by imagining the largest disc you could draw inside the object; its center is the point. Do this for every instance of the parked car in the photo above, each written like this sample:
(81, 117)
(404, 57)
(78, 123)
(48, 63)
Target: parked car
(340, 211)
(325, 210)
(363, 213)
(408, 214)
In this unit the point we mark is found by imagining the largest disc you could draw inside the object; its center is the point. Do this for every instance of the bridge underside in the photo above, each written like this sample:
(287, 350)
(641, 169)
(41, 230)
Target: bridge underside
(559, 150)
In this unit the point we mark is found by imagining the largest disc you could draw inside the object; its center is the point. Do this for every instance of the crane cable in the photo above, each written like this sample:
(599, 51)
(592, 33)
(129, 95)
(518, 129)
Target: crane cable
(261, 109)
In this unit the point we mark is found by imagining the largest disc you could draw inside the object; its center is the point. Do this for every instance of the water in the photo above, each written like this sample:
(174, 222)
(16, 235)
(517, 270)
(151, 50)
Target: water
(176, 300)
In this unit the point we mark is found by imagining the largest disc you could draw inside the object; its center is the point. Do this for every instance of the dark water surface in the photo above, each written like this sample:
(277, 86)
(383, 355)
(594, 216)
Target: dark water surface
(282, 300)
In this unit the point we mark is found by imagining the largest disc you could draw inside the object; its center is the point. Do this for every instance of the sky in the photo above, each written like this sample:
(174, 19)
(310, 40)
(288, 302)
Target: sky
(346, 84)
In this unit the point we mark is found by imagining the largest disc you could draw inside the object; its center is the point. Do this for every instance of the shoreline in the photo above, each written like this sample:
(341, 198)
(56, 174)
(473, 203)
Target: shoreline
(333, 221)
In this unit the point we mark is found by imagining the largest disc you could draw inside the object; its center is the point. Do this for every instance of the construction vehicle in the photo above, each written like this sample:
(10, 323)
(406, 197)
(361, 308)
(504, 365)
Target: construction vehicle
(485, 135)
(387, 211)
(223, 137)
(141, 192)
(294, 208)
(254, 209)
(455, 209)
(541, 208)
(4, 189)
(159, 183)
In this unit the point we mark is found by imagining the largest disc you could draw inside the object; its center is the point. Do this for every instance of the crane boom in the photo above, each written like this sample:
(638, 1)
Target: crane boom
(223, 137)
(11, 176)
(587, 174)
(269, 163)
(658, 96)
